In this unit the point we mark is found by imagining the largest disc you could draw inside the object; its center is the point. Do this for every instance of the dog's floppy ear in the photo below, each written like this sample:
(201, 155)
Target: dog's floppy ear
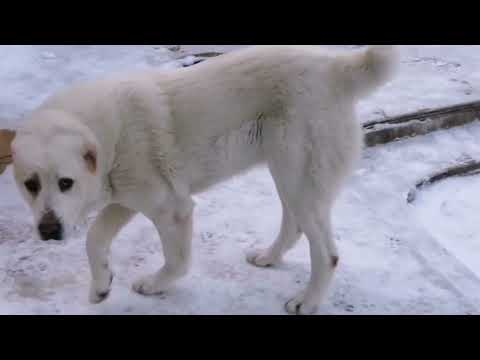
(90, 157)
(6, 139)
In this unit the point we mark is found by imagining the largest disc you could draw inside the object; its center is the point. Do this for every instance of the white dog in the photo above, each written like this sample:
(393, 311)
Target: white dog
(146, 142)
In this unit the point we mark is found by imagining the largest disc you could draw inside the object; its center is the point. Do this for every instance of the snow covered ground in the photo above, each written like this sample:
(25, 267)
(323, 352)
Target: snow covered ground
(396, 258)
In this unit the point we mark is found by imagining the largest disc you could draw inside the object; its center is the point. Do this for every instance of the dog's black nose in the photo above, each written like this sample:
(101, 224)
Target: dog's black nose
(50, 227)
(50, 231)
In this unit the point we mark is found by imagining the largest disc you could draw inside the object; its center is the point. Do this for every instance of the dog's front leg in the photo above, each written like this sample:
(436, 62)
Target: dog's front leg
(99, 239)
(175, 229)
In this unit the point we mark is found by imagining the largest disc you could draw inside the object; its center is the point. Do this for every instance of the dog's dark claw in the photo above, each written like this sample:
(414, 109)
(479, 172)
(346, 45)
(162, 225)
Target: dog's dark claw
(297, 309)
(103, 295)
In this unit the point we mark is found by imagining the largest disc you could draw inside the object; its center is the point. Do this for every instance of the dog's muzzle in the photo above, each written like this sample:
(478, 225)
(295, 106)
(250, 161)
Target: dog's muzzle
(50, 227)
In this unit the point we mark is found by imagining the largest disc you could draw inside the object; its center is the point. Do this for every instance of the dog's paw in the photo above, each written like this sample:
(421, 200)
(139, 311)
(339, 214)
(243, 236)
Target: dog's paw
(262, 258)
(147, 285)
(300, 306)
(99, 292)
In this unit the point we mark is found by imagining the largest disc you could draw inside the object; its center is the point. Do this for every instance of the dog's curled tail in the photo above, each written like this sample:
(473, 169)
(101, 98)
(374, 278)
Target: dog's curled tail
(370, 68)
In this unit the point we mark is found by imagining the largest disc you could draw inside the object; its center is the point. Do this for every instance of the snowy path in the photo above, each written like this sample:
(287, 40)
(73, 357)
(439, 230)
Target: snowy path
(396, 258)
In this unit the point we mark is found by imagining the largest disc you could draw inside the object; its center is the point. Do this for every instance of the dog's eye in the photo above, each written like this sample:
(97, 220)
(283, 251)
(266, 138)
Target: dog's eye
(65, 184)
(33, 185)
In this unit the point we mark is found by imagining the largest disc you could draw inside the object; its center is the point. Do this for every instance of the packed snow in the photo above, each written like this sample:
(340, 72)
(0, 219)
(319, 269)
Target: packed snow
(397, 258)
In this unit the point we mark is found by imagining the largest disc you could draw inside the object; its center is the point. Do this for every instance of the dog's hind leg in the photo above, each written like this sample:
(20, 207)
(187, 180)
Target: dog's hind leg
(175, 229)
(290, 233)
(307, 180)
(311, 209)
(323, 257)
(99, 239)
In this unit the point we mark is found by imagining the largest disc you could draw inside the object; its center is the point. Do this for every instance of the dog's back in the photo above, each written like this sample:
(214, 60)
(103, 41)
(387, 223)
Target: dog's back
(261, 78)
(266, 79)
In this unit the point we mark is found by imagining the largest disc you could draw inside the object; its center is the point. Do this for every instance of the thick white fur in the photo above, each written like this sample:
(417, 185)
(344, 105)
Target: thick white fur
(162, 136)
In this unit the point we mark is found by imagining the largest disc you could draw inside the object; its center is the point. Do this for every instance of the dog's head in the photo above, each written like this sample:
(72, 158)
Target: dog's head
(56, 168)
